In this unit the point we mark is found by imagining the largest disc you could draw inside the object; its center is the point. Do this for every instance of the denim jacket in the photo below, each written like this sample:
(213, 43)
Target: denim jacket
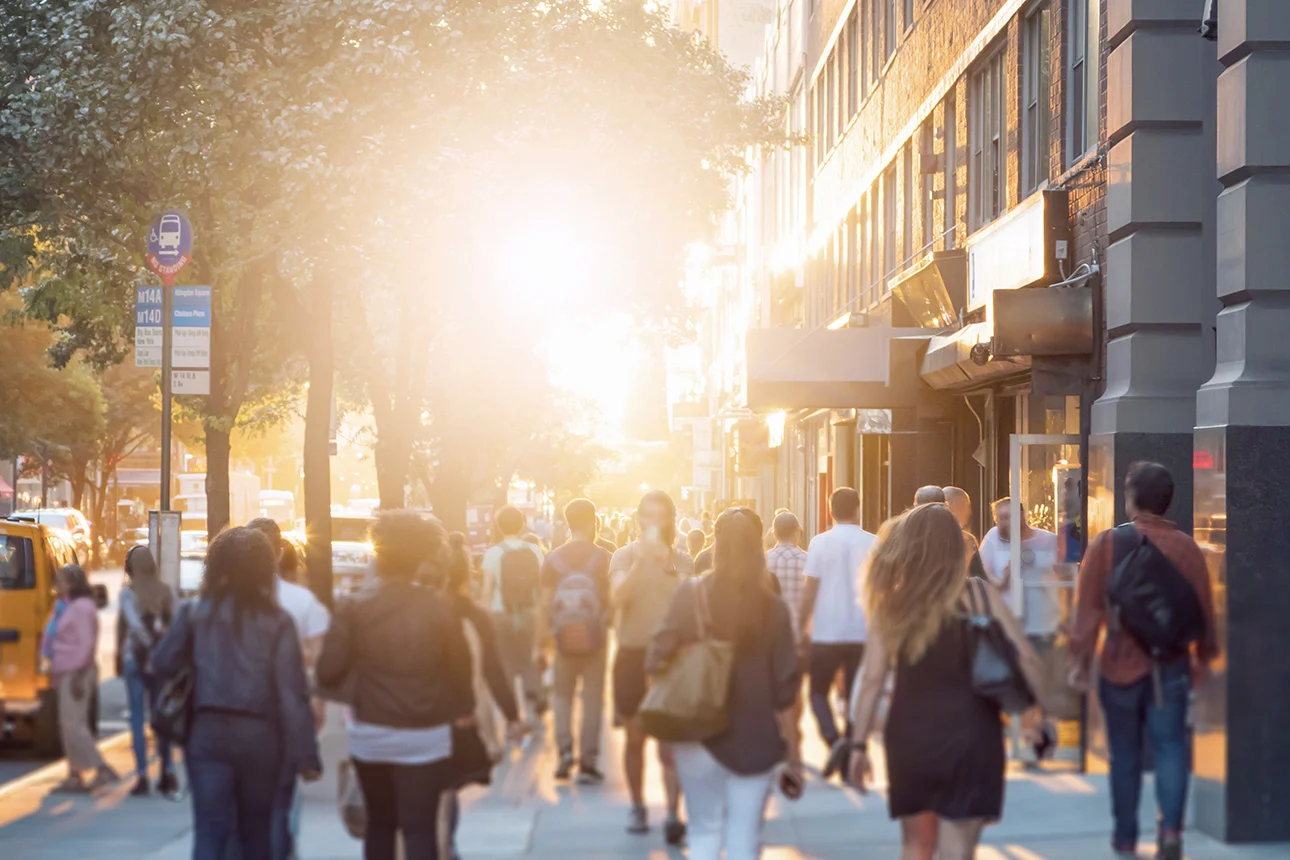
(250, 666)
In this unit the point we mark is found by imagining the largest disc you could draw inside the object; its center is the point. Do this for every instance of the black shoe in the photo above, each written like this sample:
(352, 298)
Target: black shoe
(1169, 847)
(141, 787)
(168, 786)
(674, 831)
(588, 774)
(565, 768)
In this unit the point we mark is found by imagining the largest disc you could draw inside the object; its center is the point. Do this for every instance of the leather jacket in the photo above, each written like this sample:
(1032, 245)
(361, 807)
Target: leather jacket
(400, 651)
(248, 666)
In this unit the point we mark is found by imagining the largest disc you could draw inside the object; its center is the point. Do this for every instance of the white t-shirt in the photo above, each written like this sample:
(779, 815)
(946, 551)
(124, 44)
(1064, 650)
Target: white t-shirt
(491, 565)
(1041, 608)
(835, 558)
(311, 616)
(388, 745)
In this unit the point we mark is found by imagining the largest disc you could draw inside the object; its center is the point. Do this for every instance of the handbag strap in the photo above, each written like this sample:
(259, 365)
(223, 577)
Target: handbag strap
(702, 617)
(978, 600)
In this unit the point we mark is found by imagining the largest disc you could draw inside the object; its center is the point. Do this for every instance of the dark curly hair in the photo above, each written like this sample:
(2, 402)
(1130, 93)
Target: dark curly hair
(240, 566)
(403, 541)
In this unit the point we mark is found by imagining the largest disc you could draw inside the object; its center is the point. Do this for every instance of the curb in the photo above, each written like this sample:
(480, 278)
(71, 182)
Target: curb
(110, 742)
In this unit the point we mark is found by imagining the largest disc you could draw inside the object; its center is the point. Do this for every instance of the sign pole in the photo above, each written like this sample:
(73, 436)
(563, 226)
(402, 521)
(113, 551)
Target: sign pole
(167, 338)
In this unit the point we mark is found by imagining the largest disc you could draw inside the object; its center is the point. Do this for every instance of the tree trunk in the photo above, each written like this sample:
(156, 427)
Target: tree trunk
(393, 458)
(317, 451)
(450, 492)
(217, 483)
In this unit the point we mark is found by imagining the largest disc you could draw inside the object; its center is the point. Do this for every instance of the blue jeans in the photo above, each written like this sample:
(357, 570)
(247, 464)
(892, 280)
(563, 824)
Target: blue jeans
(286, 819)
(140, 694)
(235, 774)
(1134, 717)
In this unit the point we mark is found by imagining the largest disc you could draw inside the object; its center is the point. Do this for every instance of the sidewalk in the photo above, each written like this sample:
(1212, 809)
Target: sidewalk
(526, 814)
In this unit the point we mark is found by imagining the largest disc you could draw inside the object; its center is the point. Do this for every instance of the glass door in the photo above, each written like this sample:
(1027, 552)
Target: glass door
(1046, 538)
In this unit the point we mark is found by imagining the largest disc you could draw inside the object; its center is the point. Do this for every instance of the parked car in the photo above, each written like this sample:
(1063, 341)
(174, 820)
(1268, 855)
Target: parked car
(69, 520)
(351, 552)
(30, 554)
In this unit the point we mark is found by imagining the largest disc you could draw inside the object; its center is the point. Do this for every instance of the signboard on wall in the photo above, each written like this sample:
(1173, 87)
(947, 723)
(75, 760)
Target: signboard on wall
(1023, 248)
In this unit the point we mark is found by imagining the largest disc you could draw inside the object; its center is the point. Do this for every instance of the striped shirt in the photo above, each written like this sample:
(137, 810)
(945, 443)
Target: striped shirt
(788, 563)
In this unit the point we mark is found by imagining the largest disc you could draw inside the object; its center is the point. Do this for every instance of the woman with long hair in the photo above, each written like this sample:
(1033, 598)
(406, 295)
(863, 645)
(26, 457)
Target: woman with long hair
(251, 720)
(727, 778)
(402, 648)
(74, 667)
(146, 607)
(944, 742)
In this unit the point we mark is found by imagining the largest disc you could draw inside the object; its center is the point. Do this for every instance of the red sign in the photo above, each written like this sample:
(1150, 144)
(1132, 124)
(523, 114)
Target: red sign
(1202, 460)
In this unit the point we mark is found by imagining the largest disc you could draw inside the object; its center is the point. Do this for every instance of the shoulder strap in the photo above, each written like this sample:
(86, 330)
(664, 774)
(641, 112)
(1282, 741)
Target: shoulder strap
(1124, 539)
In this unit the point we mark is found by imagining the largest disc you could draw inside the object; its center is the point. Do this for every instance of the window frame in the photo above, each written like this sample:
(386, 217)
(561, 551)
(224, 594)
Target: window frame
(1083, 35)
(907, 204)
(855, 72)
(988, 139)
(889, 234)
(1035, 92)
(890, 30)
(927, 180)
(950, 171)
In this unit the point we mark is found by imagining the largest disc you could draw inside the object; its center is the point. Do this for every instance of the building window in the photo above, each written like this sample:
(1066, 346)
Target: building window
(842, 94)
(909, 13)
(853, 253)
(951, 171)
(988, 136)
(927, 181)
(830, 106)
(875, 41)
(890, 41)
(817, 123)
(889, 229)
(875, 245)
(1036, 103)
(1082, 29)
(907, 200)
(854, 69)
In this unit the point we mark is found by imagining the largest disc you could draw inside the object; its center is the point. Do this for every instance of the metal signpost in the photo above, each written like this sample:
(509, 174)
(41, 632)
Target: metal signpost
(170, 249)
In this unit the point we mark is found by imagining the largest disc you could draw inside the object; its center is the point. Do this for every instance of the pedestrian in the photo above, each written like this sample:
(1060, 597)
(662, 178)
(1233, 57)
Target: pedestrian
(250, 721)
(312, 619)
(727, 778)
(695, 541)
(147, 606)
(402, 650)
(576, 605)
(929, 495)
(292, 566)
(707, 525)
(1144, 700)
(831, 619)
(608, 537)
(643, 574)
(960, 504)
(73, 666)
(1041, 610)
(787, 562)
(944, 742)
(512, 573)
(493, 691)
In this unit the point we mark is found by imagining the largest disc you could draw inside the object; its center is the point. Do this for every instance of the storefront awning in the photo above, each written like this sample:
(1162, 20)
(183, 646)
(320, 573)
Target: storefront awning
(950, 362)
(861, 368)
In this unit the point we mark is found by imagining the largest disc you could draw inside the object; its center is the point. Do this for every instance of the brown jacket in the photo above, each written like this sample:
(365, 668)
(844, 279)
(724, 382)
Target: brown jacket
(1122, 660)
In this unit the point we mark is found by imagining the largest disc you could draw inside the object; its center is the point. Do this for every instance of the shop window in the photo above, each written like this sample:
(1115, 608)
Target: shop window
(1083, 25)
(1036, 104)
(988, 135)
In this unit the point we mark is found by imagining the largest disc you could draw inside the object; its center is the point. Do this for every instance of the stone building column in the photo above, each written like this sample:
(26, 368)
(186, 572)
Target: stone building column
(1158, 270)
(1242, 513)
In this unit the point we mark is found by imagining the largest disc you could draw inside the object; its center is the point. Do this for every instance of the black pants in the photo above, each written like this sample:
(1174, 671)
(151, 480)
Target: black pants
(402, 798)
(826, 659)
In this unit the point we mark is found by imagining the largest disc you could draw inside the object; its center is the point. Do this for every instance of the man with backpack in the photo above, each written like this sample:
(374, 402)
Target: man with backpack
(576, 606)
(512, 581)
(1148, 585)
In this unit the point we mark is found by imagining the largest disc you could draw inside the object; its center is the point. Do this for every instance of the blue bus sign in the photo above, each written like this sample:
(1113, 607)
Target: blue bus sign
(170, 245)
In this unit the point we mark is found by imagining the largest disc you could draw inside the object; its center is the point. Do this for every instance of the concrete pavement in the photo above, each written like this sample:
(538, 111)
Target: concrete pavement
(1052, 816)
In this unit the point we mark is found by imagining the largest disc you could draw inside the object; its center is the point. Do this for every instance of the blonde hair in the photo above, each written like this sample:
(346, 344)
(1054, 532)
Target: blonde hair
(914, 578)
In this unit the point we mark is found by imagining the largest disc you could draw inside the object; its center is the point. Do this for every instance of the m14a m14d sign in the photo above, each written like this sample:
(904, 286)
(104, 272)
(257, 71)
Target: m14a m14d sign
(190, 347)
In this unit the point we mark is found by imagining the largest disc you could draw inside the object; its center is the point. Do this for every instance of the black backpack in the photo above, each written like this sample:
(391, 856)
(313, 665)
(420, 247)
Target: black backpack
(1149, 598)
(519, 578)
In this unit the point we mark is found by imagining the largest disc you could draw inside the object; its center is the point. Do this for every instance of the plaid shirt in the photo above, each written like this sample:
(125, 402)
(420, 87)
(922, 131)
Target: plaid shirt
(788, 563)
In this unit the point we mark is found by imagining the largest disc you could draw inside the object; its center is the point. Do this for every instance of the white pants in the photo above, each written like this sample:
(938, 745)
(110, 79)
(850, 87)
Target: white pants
(724, 808)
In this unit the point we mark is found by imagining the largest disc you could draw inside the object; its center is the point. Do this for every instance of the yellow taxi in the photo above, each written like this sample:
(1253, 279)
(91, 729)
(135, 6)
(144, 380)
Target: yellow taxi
(30, 553)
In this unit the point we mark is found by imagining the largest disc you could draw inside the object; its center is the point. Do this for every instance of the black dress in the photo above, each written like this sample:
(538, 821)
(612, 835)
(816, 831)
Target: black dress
(945, 745)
